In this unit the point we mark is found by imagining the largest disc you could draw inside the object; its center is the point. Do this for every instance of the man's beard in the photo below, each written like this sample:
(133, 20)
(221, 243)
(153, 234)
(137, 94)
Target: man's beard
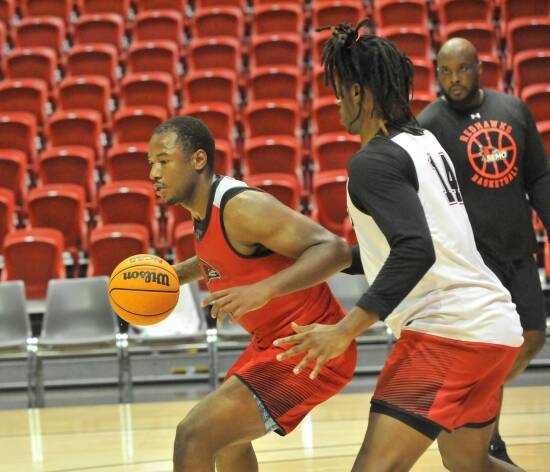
(469, 101)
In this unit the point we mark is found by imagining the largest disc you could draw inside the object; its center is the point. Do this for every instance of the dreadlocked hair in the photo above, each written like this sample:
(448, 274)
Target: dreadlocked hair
(372, 62)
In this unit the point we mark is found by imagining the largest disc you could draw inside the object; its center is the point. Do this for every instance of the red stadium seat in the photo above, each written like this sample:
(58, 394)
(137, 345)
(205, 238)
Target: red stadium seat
(152, 88)
(128, 162)
(527, 34)
(402, 13)
(86, 92)
(154, 56)
(129, 201)
(272, 118)
(537, 98)
(162, 25)
(272, 154)
(31, 63)
(281, 18)
(27, 95)
(176, 215)
(333, 151)
(451, 11)
(547, 259)
(120, 7)
(284, 187)
(3, 36)
(482, 35)
(93, 59)
(176, 5)
(110, 244)
(268, 83)
(325, 116)
(214, 53)
(334, 12)
(329, 199)
(219, 117)
(224, 158)
(276, 50)
(421, 101)
(77, 128)
(100, 28)
(60, 206)
(492, 73)
(414, 41)
(136, 124)
(530, 68)
(220, 3)
(13, 167)
(538, 225)
(424, 76)
(319, 39)
(7, 11)
(349, 233)
(512, 9)
(18, 131)
(40, 31)
(207, 86)
(184, 241)
(34, 256)
(7, 214)
(544, 130)
(320, 89)
(69, 165)
(217, 22)
(60, 8)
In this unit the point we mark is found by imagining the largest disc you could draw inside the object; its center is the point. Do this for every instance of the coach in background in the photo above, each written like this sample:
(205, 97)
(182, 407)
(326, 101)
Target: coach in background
(503, 171)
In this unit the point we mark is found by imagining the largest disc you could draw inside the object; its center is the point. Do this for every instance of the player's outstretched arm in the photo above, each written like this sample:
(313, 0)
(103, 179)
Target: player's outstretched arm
(255, 220)
(188, 271)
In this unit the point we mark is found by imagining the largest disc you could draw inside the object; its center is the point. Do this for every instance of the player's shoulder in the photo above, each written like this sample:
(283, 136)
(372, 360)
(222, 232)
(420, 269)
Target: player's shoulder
(503, 101)
(432, 112)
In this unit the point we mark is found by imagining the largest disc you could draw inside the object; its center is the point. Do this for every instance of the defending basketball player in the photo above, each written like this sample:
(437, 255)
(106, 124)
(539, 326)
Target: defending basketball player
(499, 159)
(458, 331)
(252, 251)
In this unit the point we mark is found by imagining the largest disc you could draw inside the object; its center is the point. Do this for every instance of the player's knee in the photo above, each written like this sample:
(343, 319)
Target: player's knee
(464, 463)
(190, 435)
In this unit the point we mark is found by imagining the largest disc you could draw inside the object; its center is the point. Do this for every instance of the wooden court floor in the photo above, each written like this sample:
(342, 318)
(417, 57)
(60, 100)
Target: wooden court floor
(138, 437)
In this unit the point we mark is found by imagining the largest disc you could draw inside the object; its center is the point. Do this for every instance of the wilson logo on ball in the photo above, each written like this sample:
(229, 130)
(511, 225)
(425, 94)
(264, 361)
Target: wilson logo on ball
(148, 277)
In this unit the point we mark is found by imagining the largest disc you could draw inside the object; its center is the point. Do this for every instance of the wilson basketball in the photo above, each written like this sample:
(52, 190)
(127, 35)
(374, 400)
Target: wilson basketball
(143, 289)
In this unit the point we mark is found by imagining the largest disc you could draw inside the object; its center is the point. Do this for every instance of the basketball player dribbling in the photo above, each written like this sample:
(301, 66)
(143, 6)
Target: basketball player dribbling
(252, 251)
(458, 331)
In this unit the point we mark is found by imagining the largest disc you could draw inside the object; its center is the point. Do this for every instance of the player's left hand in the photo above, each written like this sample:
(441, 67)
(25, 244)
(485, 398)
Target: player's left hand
(321, 343)
(236, 301)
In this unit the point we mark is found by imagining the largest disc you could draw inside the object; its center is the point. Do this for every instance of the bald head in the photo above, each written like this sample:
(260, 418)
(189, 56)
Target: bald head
(458, 49)
(458, 71)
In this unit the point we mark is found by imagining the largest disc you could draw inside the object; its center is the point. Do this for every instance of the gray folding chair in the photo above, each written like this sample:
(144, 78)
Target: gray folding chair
(15, 331)
(79, 322)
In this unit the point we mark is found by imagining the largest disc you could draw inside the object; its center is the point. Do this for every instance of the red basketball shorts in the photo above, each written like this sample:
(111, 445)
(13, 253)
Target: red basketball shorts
(434, 383)
(288, 397)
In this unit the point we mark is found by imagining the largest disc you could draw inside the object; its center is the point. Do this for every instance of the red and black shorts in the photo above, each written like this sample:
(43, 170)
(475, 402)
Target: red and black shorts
(433, 383)
(284, 397)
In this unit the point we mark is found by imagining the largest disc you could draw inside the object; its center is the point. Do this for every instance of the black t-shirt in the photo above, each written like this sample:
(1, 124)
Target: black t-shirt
(500, 160)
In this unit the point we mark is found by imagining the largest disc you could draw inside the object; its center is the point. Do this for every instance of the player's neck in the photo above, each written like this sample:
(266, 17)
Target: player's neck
(370, 129)
(198, 205)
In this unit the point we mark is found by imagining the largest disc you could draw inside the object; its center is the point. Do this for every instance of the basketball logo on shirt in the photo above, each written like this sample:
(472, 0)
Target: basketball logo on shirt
(492, 153)
(208, 272)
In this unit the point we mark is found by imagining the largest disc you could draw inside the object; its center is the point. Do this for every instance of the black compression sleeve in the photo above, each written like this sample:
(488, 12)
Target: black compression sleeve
(384, 186)
(356, 266)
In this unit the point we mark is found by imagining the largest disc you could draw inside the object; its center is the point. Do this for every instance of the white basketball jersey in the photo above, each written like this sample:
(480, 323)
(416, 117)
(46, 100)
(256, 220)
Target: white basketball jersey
(459, 297)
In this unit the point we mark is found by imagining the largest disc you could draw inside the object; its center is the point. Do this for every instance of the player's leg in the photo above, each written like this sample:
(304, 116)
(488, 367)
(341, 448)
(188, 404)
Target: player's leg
(524, 285)
(228, 416)
(236, 458)
(465, 450)
(381, 452)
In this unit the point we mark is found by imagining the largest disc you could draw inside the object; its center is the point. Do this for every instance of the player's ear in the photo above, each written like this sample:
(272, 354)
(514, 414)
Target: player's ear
(355, 91)
(199, 159)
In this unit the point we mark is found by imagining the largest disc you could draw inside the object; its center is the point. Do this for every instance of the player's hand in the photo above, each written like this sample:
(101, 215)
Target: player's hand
(236, 301)
(321, 343)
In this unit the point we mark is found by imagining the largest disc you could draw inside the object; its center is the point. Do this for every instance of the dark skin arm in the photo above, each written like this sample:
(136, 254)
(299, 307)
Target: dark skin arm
(255, 220)
(188, 271)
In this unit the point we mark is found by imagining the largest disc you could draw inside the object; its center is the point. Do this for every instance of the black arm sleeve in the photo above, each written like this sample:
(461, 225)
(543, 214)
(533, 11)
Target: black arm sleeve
(385, 186)
(537, 170)
(356, 266)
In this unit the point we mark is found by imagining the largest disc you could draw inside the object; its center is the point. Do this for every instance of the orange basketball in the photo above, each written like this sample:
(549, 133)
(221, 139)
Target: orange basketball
(143, 289)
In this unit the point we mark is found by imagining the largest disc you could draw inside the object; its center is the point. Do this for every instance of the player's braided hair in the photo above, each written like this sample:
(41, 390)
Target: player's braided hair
(372, 62)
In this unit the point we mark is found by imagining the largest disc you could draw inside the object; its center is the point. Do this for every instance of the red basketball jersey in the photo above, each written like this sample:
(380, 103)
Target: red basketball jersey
(222, 267)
